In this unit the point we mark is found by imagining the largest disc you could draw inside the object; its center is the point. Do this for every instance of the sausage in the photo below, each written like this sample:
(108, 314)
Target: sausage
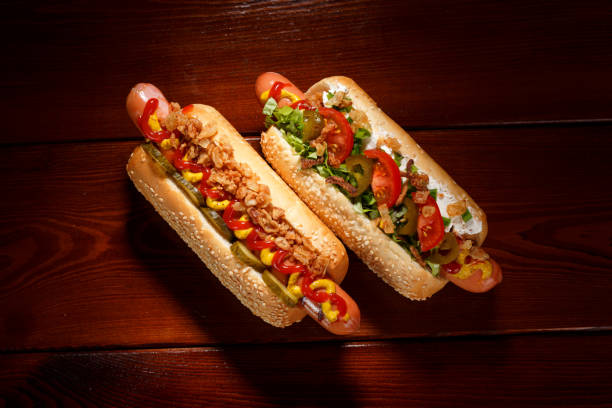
(474, 283)
(339, 327)
(265, 81)
(138, 97)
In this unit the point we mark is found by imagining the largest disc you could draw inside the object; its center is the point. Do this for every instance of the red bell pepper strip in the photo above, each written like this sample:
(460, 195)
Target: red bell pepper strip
(181, 164)
(232, 223)
(255, 244)
(143, 122)
(278, 263)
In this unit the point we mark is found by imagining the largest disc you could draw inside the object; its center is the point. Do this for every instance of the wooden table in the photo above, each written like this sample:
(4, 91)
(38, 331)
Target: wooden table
(101, 303)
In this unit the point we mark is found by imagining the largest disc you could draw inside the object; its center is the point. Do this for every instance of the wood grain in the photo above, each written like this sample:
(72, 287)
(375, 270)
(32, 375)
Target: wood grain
(69, 66)
(86, 262)
(548, 371)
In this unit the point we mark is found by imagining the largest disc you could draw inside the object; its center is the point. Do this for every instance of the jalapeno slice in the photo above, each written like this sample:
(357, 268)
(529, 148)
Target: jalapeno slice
(361, 168)
(313, 124)
(411, 216)
(447, 251)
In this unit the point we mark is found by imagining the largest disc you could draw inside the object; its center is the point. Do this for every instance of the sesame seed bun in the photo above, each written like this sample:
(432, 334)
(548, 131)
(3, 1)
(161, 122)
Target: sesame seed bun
(382, 255)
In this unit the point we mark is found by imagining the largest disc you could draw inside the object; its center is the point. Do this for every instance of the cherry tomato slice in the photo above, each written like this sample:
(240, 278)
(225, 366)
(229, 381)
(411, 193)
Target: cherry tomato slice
(339, 144)
(386, 179)
(431, 228)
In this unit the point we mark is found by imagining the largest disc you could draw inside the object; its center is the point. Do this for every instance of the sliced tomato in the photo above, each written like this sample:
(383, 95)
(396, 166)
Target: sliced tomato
(430, 228)
(340, 143)
(386, 179)
(474, 283)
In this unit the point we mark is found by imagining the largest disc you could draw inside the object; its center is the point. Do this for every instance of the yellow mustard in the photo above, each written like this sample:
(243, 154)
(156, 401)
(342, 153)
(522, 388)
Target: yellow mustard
(284, 94)
(467, 270)
(166, 144)
(331, 315)
(154, 123)
(292, 285)
(243, 233)
(328, 285)
(216, 205)
(266, 256)
(191, 177)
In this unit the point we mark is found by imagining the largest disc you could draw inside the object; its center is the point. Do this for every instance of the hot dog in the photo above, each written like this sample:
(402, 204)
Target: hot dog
(375, 187)
(241, 219)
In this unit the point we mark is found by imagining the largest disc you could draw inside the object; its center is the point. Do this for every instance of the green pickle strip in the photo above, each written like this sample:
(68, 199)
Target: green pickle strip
(159, 158)
(279, 289)
(246, 256)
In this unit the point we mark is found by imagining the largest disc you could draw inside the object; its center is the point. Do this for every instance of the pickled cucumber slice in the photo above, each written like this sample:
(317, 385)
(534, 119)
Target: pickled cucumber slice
(192, 192)
(246, 256)
(159, 158)
(217, 222)
(279, 289)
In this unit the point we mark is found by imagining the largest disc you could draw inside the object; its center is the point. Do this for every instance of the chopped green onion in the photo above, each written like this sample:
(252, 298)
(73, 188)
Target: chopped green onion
(467, 215)
(330, 95)
(446, 221)
(414, 169)
(435, 268)
(397, 158)
(269, 106)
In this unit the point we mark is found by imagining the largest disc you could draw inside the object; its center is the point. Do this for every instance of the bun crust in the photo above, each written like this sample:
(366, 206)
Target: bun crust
(186, 219)
(385, 257)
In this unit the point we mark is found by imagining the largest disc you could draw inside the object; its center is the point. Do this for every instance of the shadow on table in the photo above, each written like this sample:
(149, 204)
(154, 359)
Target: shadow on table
(305, 373)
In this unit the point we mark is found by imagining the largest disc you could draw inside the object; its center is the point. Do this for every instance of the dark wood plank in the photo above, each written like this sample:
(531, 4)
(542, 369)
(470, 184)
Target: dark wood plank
(546, 371)
(68, 66)
(86, 262)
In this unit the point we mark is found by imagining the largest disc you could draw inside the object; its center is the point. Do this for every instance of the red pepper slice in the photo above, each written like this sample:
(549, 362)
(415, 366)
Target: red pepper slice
(143, 122)
(278, 263)
(340, 303)
(232, 223)
(386, 180)
(215, 194)
(430, 229)
(302, 105)
(255, 244)
(340, 143)
(181, 164)
(275, 91)
(187, 109)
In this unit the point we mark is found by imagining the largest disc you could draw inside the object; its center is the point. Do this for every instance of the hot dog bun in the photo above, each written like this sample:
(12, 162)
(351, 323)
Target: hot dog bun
(385, 257)
(243, 281)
